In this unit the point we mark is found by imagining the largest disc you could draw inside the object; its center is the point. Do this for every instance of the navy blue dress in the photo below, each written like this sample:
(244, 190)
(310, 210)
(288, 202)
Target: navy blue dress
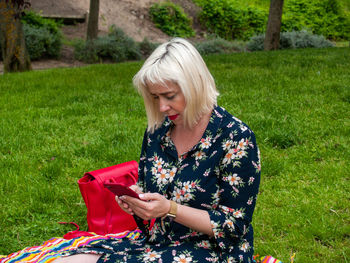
(220, 174)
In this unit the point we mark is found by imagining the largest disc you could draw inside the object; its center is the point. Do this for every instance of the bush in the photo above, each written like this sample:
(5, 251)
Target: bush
(294, 39)
(43, 36)
(322, 17)
(218, 46)
(231, 20)
(116, 46)
(36, 20)
(171, 19)
(41, 43)
(146, 47)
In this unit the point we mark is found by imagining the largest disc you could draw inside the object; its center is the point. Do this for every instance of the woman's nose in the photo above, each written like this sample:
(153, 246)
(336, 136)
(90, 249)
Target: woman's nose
(163, 105)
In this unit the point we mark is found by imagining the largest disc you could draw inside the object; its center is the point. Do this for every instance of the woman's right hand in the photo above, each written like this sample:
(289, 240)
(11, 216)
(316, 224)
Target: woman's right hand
(123, 205)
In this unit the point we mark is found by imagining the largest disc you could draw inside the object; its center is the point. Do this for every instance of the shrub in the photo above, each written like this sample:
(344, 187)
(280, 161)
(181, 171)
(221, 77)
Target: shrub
(231, 20)
(146, 47)
(171, 19)
(36, 20)
(43, 36)
(322, 17)
(294, 39)
(41, 43)
(217, 46)
(116, 46)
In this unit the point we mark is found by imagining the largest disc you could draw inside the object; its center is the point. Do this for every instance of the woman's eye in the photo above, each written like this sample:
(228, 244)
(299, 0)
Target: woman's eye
(171, 97)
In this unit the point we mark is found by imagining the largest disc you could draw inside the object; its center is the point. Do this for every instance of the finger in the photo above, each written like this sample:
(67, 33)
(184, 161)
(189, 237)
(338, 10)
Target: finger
(136, 188)
(124, 206)
(150, 196)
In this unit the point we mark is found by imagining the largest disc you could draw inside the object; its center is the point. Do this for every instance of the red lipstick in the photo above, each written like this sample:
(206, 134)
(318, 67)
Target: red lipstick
(173, 117)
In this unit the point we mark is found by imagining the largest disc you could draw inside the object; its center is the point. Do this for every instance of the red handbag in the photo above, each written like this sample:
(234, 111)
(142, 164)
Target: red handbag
(104, 215)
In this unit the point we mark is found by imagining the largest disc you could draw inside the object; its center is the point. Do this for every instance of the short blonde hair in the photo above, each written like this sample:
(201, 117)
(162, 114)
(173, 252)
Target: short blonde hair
(179, 62)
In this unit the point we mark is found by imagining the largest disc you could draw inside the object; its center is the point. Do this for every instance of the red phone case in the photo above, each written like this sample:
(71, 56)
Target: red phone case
(119, 190)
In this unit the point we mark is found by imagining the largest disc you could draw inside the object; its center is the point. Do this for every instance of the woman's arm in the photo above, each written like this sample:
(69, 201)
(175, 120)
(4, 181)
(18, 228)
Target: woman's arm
(154, 205)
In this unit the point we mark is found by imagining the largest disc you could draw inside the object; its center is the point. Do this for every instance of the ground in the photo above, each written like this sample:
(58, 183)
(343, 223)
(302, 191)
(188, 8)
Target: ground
(129, 15)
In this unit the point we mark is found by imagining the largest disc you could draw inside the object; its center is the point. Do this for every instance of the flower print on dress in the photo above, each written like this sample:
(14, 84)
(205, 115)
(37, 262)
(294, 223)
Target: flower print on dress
(235, 151)
(184, 257)
(229, 224)
(250, 200)
(235, 182)
(213, 258)
(150, 256)
(231, 260)
(205, 143)
(199, 155)
(243, 127)
(162, 174)
(204, 244)
(207, 172)
(184, 191)
(244, 246)
(257, 164)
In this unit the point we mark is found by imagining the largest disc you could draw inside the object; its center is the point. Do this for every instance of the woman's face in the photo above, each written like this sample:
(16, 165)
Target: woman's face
(170, 99)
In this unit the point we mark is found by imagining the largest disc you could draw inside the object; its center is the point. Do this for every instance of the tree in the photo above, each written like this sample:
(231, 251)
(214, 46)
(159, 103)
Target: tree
(12, 41)
(92, 29)
(272, 36)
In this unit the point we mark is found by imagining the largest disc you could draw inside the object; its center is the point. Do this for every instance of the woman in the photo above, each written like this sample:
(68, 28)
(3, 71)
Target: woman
(199, 170)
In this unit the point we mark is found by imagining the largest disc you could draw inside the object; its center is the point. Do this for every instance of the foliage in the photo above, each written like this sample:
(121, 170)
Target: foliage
(218, 46)
(36, 20)
(41, 43)
(116, 46)
(146, 47)
(231, 20)
(171, 19)
(294, 39)
(57, 124)
(43, 36)
(239, 19)
(322, 17)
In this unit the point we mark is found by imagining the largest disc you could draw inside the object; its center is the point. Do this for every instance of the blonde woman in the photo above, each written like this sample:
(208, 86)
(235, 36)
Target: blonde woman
(199, 170)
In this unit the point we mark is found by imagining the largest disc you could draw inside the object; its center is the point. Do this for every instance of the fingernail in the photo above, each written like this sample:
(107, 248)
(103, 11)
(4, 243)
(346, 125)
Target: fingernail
(141, 195)
(122, 197)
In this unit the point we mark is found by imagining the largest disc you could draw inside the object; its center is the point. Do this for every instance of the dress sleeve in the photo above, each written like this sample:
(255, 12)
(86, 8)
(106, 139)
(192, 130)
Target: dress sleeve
(142, 162)
(238, 184)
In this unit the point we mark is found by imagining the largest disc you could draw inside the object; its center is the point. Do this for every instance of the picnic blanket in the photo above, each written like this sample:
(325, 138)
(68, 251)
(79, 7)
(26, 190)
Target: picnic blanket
(54, 247)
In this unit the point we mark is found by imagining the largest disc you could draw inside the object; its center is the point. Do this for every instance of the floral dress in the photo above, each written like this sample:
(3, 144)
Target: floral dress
(220, 174)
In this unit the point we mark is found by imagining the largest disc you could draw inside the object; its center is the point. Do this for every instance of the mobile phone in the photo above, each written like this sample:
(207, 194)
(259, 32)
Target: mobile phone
(119, 190)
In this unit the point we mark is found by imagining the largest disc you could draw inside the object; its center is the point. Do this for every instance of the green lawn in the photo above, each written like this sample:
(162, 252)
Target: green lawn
(57, 124)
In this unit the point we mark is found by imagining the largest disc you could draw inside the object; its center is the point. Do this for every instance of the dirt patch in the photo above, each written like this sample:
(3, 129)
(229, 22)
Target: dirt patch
(129, 15)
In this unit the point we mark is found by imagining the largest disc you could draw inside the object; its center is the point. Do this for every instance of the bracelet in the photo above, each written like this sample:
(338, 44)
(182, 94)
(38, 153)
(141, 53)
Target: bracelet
(171, 214)
(173, 210)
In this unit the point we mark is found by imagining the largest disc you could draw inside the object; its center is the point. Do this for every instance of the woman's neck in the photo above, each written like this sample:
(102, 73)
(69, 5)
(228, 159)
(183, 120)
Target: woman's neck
(185, 137)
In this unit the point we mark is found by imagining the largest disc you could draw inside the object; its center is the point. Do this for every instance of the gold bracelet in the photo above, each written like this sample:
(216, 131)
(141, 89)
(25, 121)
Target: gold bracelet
(173, 209)
(172, 213)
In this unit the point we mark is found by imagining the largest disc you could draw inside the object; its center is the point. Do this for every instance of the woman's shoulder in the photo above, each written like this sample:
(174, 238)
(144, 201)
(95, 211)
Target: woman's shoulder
(231, 124)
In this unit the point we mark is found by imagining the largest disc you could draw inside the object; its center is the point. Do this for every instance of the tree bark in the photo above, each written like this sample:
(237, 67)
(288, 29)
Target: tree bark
(92, 29)
(272, 36)
(12, 41)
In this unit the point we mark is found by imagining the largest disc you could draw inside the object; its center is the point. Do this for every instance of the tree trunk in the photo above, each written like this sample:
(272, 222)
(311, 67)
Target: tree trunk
(272, 36)
(92, 29)
(12, 41)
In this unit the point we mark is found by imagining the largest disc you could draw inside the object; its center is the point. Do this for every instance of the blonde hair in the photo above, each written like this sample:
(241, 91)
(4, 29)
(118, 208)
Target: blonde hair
(179, 62)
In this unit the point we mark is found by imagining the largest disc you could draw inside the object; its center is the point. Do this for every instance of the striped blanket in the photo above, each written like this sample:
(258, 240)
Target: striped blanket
(52, 249)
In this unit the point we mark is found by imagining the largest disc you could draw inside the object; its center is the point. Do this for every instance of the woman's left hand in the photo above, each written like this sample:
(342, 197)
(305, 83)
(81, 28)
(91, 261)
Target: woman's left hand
(150, 205)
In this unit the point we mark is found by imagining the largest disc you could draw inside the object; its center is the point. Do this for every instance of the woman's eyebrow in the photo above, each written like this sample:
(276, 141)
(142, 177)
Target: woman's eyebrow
(163, 93)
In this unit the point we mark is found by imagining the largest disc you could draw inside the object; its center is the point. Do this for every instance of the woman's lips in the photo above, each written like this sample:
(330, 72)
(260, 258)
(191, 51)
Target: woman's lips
(173, 117)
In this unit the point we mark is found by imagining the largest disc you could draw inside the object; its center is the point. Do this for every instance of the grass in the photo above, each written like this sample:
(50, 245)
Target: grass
(57, 124)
